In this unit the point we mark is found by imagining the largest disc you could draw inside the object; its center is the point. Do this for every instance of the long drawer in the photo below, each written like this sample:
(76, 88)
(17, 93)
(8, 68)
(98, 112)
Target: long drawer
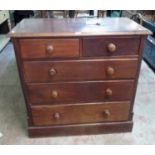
(49, 48)
(98, 69)
(77, 92)
(106, 46)
(80, 113)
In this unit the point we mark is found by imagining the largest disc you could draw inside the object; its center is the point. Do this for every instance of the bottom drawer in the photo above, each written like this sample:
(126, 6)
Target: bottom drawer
(80, 113)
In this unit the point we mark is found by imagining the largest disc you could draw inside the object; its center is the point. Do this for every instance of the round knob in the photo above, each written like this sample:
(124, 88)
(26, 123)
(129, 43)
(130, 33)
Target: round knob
(49, 49)
(52, 72)
(54, 94)
(56, 115)
(108, 92)
(110, 71)
(111, 47)
(106, 113)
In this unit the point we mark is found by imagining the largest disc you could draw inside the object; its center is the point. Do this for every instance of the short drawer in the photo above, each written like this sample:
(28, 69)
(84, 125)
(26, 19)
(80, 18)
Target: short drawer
(99, 69)
(76, 92)
(80, 113)
(116, 46)
(49, 48)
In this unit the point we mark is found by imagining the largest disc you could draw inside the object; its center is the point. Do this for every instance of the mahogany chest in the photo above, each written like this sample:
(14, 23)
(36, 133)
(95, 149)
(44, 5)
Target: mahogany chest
(79, 76)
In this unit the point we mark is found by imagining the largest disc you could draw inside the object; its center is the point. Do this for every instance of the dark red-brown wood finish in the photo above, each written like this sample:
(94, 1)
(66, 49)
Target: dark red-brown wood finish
(76, 92)
(78, 77)
(96, 69)
(81, 113)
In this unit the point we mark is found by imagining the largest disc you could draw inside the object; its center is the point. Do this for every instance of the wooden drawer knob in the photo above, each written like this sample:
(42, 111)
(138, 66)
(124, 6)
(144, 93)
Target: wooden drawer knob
(106, 113)
(108, 92)
(52, 72)
(56, 115)
(112, 47)
(49, 49)
(110, 71)
(54, 94)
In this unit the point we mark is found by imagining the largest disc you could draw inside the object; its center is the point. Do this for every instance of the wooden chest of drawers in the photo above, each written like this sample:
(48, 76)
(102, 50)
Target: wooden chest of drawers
(79, 76)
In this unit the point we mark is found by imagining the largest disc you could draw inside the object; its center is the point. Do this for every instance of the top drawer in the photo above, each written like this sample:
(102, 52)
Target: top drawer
(107, 46)
(49, 48)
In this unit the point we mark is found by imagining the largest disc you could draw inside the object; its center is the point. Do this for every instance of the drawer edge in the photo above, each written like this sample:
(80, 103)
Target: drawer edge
(80, 129)
(83, 112)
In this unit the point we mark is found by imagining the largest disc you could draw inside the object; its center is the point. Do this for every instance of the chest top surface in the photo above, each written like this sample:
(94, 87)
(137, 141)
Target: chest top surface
(77, 27)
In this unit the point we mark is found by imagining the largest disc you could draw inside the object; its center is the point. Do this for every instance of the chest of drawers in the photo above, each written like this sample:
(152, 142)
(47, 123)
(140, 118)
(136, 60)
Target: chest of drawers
(79, 76)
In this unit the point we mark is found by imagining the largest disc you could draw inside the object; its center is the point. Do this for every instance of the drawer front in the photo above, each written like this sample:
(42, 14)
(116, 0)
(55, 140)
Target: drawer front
(80, 92)
(110, 46)
(49, 48)
(80, 113)
(50, 71)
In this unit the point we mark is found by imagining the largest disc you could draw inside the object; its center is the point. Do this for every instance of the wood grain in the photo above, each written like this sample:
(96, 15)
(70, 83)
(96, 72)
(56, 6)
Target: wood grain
(62, 48)
(98, 46)
(79, 70)
(80, 129)
(77, 92)
(77, 27)
(80, 113)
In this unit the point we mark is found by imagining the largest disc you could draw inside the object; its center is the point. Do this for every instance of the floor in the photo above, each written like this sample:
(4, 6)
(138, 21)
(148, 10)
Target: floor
(13, 115)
